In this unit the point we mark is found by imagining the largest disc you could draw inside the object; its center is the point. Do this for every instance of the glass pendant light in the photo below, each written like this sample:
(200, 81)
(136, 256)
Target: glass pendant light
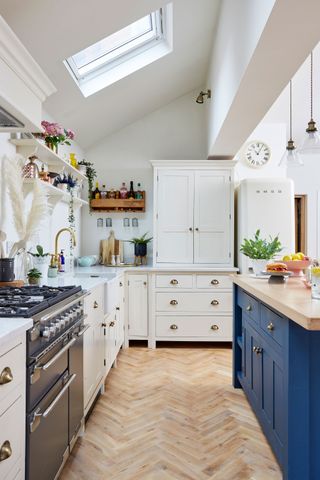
(311, 143)
(291, 157)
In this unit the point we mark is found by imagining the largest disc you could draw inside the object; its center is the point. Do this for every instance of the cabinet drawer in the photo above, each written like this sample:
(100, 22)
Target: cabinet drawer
(12, 366)
(274, 325)
(249, 305)
(194, 302)
(213, 281)
(93, 305)
(12, 436)
(174, 281)
(193, 326)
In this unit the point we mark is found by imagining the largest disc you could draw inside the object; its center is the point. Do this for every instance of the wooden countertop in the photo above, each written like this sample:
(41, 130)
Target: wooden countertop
(292, 299)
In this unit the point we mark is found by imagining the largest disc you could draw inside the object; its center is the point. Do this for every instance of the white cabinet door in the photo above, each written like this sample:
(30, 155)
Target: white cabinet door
(110, 342)
(212, 217)
(175, 216)
(138, 305)
(88, 370)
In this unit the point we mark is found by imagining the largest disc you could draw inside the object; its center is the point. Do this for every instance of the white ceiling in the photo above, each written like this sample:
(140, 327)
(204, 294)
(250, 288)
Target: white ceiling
(53, 31)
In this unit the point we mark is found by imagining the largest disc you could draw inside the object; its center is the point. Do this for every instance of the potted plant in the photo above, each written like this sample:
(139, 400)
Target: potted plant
(90, 172)
(54, 134)
(260, 250)
(140, 245)
(41, 260)
(34, 276)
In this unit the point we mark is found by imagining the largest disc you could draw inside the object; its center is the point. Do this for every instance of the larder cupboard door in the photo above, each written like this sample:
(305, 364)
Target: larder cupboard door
(175, 216)
(138, 305)
(212, 217)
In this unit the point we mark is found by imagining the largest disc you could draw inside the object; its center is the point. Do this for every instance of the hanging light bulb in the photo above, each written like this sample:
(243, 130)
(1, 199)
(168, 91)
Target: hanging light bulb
(311, 143)
(291, 157)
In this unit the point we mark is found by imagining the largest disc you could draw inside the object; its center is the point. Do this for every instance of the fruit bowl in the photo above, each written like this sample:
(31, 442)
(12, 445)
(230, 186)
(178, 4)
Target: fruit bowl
(297, 266)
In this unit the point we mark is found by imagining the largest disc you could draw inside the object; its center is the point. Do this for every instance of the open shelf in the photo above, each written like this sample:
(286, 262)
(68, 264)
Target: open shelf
(53, 193)
(29, 146)
(119, 204)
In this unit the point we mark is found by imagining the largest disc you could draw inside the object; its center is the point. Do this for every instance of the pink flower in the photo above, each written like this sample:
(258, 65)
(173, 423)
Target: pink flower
(70, 134)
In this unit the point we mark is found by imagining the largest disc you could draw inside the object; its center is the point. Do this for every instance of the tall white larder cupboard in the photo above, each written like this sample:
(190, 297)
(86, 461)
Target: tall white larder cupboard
(193, 213)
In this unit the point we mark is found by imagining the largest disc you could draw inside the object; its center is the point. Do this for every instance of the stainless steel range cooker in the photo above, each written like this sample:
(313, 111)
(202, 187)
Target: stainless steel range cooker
(54, 370)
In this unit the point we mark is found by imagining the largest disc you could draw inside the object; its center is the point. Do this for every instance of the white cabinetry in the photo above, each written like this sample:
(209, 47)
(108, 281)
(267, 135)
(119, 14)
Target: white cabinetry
(93, 345)
(193, 220)
(12, 408)
(138, 306)
(114, 323)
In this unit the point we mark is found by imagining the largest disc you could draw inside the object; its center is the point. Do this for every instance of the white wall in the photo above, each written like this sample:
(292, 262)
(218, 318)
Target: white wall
(176, 131)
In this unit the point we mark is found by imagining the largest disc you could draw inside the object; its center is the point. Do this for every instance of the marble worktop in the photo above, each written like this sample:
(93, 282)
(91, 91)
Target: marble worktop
(291, 298)
(11, 328)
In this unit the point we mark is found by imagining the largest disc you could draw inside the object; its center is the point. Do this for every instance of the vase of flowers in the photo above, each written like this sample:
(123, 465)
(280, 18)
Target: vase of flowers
(54, 135)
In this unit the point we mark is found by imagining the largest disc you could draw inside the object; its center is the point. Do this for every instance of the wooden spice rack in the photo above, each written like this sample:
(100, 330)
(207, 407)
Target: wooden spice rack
(119, 204)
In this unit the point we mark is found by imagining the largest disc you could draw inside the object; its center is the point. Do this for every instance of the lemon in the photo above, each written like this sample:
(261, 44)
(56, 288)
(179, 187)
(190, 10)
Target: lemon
(301, 255)
(296, 256)
(315, 271)
(287, 258)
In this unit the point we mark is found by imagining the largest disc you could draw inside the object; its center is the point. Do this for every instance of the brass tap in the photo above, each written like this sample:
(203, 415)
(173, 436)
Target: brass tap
(73, 237)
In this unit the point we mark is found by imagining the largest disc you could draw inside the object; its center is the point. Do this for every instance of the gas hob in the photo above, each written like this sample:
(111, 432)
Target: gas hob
(29, 300)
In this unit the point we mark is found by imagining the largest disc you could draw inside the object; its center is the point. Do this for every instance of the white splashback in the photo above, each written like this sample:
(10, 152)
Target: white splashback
(266, 204)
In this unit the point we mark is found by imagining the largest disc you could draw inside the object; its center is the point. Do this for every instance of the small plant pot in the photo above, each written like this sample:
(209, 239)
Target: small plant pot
(6, 269)
(34, 281)
(140, 249)
(41, 264)
(259, 265)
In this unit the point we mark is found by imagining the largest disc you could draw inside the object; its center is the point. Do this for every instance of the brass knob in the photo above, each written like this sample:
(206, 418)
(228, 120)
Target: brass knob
(144, 283)
(6, 376)
(95, 304)
(197, 229)
(214, 327)
(257, 350)
(120, 284)
(249, 308)
(214, 282)
(5, 451)
(270, 327)
(173, 302)
(103, 324)
(174, 282)
(174, 327)
(117, 308)
(215, 302)
(111, 324)
(190, 229)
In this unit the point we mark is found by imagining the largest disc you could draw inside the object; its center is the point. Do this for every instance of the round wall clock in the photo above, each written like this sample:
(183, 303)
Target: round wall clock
(257, 153)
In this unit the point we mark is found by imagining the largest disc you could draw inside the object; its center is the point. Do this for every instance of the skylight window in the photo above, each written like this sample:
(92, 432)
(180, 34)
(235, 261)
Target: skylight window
(123, 52)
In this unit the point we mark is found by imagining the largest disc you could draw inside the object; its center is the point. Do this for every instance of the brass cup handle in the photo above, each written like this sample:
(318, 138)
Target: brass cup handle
(215, 302)
(6, 376)
(103, 324)
(214, 282)
(111, 324)
(5, 451)
(174, 327)
(214, 327)
(257, 350)
(95, 304)
(174, 282)
(120, 284)
(270, 327)
(117, 308)
(249, 308)
(173, 302)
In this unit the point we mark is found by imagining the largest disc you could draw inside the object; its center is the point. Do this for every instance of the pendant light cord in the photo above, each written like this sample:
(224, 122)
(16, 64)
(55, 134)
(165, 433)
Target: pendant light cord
(311, 85)
(290, 110)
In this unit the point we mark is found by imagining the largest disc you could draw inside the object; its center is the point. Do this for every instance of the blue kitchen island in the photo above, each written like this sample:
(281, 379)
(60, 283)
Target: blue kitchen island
(276, 361)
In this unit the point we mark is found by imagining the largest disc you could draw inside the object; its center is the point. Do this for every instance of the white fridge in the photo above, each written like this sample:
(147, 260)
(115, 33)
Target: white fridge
(266, 204)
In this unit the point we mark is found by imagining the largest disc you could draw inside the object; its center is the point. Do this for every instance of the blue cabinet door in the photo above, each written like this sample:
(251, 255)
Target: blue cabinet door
(252, 363)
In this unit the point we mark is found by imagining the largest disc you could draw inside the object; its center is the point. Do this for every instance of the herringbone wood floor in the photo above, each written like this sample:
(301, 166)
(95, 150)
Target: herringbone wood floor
(172, 414)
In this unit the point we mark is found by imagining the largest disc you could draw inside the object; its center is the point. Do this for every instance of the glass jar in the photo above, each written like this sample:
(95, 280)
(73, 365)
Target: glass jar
(315, 282)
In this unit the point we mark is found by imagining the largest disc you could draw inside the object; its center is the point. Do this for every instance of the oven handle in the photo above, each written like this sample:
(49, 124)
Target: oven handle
(83, 330)
(37, 416)
(64, 307)
(55, 358)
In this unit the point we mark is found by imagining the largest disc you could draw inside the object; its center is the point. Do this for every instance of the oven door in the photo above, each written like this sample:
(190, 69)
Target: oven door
(47, 432)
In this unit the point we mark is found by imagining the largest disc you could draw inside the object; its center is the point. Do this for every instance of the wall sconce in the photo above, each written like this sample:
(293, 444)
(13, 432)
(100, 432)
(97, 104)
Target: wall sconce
(202, 94)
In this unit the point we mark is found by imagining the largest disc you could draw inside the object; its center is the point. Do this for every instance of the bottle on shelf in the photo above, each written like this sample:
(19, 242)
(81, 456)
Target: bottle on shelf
(112, 193)
(123, 191)
(131, 191)
(139, 194)
(103, 193)
(96, 193)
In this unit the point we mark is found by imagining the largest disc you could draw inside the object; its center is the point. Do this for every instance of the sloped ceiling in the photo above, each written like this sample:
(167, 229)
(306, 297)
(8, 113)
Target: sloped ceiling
(53, 31)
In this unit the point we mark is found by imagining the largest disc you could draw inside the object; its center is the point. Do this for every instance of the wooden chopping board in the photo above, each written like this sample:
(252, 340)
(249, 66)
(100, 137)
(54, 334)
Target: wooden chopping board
(110, 247)
(15, 283)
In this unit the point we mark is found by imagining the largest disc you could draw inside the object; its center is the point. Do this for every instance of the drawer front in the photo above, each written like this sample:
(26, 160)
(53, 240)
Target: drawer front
(174, 281)
(12, 373)
(193, 327)
(249, 305)
(215, 302)
(273, 325)
(213, 281)
(93, 305)
(12, 438)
